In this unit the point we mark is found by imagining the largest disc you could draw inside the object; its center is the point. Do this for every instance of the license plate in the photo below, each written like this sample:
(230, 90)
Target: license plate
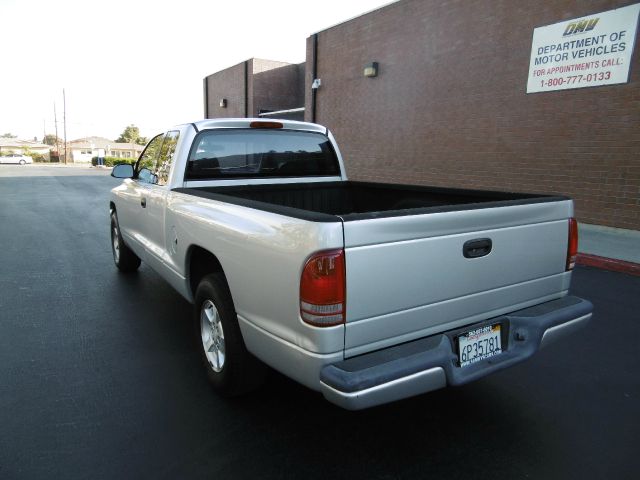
(479, 344)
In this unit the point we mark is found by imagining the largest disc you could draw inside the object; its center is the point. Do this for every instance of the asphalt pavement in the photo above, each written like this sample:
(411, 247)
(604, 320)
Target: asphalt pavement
(100, 378)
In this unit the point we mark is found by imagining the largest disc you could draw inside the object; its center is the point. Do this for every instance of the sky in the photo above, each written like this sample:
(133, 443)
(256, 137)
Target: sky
(139, 61)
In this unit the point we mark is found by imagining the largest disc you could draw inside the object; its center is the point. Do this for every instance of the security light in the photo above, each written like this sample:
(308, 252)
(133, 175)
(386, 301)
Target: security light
(371, 69)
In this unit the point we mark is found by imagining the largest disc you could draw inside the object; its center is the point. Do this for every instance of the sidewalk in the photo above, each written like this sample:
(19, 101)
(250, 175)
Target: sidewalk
(609, 248)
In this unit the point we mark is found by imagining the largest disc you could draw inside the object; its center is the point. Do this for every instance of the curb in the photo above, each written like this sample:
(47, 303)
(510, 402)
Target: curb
(611, 264)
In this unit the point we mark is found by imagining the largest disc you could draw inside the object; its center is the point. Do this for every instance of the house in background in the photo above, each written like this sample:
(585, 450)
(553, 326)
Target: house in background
(125, 150)
(83, 150)
(24, 147)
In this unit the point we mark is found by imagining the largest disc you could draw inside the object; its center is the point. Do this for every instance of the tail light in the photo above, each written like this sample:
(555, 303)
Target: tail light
(261, 124)
(572, 245)
(322, 289)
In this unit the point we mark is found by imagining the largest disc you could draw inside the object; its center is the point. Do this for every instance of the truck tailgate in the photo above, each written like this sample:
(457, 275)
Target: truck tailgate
(407, 276)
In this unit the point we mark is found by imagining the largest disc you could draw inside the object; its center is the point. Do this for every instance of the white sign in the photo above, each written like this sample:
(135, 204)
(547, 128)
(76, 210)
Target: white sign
(584, 52)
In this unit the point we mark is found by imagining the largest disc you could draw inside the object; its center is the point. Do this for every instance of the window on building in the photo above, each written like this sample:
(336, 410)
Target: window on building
(126, 154)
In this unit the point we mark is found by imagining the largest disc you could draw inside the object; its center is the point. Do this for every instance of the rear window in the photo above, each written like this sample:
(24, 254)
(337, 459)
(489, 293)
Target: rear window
(257, 153)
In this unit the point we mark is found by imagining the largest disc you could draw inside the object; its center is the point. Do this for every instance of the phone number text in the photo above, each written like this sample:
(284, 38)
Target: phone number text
(576, 79)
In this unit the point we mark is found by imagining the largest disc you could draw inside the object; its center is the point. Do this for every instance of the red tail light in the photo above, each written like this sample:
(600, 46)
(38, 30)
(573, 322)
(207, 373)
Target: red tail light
(572, 246)
(259, 124)
(322, 289)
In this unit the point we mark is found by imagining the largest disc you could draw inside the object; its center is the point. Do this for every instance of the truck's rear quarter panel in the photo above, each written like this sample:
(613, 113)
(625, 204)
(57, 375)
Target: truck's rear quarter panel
(262, 255)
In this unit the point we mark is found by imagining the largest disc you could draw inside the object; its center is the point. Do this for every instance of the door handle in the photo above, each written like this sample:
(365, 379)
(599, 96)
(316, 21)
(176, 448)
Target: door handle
(143, 202)
(477, 248)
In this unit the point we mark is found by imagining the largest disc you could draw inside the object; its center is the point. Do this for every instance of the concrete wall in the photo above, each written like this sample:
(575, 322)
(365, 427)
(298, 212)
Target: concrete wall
(449, 105)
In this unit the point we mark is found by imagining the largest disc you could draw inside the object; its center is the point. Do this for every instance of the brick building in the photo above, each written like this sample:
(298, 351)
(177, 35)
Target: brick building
(448, 105)
(253, 87)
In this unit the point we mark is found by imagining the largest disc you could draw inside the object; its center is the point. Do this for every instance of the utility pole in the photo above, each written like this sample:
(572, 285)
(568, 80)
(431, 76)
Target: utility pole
(64, 119)
(55, 121)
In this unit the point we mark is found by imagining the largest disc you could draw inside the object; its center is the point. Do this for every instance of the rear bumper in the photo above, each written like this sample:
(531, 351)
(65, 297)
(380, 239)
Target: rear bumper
(431, 363)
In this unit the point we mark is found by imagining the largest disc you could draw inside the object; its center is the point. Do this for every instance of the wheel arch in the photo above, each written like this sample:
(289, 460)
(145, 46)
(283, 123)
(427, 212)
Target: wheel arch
(201, 262)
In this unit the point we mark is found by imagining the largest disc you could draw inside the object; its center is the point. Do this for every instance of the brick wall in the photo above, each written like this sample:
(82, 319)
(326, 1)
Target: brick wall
(229, 84)
(275, 86)
(271, 85)
(449, 106)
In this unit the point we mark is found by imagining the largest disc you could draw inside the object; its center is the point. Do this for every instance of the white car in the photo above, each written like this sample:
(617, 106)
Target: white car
(16, 158)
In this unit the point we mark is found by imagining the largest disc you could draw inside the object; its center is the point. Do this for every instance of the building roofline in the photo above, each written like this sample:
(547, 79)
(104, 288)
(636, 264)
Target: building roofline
(16, 143)
(356, 16)
(253, 59)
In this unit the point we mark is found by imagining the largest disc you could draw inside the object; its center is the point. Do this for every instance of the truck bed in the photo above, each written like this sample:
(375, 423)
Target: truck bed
(349, 200)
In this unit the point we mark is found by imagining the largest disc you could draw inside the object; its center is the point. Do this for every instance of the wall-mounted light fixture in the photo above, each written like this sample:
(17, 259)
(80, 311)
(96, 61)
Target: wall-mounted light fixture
(371, 69)
(223, 103)
(316, 84)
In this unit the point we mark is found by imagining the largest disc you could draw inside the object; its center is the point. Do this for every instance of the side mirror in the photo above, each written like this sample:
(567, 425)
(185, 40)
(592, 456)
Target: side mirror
(146, 175)
(124, 170)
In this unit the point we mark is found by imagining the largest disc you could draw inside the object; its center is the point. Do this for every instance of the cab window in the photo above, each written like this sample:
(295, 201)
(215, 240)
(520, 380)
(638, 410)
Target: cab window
(256, 153)
(165, 159)
(147, 162)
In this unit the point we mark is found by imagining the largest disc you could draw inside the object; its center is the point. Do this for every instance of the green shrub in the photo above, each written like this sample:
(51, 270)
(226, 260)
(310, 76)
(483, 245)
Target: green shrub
(38, 157)
(112, 161)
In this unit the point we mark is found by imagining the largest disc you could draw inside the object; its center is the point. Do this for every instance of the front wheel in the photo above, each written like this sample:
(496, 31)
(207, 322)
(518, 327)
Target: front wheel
(22, 162)
(123, 256)
(231, 369)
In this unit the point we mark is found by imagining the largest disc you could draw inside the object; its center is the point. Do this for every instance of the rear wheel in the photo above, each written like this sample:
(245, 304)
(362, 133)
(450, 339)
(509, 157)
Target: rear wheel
(123, 256)
(22, 162)
(231, 369)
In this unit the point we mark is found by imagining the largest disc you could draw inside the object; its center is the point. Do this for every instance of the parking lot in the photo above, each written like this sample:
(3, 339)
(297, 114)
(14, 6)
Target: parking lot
(99, 377)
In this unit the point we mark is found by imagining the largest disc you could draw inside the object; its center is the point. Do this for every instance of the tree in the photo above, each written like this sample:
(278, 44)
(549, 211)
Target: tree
(8, 135)
(50, 139)
(131, 134)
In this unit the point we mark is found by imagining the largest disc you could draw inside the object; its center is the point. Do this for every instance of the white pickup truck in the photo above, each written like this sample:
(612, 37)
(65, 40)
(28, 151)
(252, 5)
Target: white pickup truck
(367, 292)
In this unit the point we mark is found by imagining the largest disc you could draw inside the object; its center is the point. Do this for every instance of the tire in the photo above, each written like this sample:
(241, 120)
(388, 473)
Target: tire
(123, 256)
(231, 369)
(22, 162)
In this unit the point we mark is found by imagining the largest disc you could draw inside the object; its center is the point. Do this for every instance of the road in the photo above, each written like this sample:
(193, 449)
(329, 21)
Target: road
(99, 377)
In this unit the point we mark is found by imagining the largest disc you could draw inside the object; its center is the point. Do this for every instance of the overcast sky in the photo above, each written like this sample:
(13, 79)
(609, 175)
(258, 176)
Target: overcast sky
(139, 61)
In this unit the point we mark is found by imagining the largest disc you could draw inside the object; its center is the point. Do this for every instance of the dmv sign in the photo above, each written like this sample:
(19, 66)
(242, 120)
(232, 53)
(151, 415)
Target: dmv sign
(584, 52)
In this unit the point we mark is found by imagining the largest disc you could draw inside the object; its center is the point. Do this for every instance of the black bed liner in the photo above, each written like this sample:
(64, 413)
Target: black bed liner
(349, 201)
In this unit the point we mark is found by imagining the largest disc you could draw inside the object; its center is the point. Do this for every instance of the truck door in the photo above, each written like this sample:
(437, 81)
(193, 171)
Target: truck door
(155, 232)
(132, 212)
